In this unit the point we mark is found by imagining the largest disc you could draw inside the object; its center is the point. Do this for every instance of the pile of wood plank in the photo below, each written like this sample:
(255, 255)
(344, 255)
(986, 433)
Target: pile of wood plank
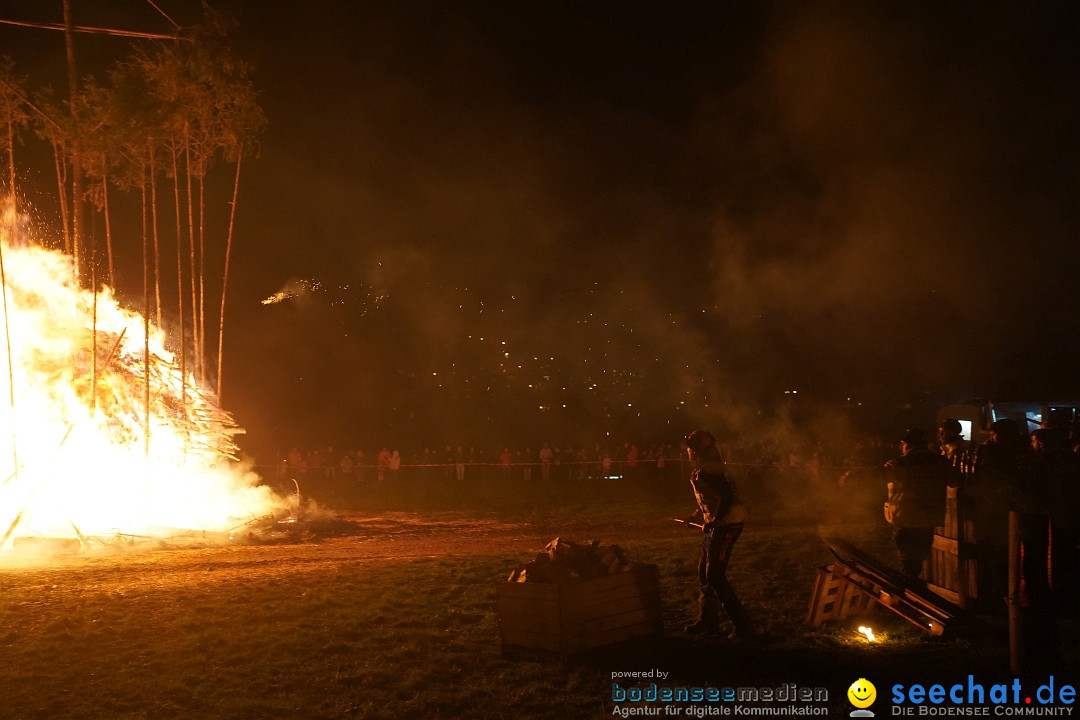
(565, 561)
(882, 585)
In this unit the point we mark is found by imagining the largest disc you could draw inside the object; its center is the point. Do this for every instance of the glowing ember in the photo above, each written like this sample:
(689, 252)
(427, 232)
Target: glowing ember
(867, 633)
(293, 289)
(278, 297)
(75, 458)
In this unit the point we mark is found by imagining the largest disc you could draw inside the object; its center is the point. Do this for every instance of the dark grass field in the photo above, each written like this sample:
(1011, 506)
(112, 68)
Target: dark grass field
(384, 607)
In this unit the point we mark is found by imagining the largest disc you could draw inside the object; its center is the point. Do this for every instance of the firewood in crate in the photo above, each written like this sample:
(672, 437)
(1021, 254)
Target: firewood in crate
(539, 569)
(612, 558)
(567, 561)
(559, 549)
(577, 560)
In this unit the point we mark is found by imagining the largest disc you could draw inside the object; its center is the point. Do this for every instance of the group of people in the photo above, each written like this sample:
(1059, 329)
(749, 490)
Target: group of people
(764, 464)
(1035, 478)
(546, 463)
(1032, 482)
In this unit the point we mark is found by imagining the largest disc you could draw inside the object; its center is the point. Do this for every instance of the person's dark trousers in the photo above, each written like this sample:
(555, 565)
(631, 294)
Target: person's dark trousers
(914, 544)
(1040, 615)
(993, 577)
(1035, 538)
(716, 590)
(1065, 568)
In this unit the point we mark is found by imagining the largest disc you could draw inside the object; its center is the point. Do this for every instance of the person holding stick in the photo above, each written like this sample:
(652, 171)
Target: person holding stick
(722, 514)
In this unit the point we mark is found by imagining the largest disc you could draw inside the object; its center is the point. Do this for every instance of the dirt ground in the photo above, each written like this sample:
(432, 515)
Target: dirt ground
(331, 542)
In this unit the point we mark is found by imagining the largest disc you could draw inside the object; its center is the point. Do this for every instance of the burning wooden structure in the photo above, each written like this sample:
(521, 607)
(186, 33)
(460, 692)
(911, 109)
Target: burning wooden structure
(107, 435)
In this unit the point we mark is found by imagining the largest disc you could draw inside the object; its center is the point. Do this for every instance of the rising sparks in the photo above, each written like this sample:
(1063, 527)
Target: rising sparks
(277, 297)
(293, 289)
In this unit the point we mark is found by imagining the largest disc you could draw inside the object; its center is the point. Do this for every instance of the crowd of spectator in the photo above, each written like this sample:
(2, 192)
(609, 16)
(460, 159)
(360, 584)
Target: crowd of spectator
(545, 462)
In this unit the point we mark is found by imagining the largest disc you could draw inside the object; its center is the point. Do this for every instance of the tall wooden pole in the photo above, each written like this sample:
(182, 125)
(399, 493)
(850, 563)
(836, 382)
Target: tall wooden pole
(225, 277)
(11, 373)
(76, 161)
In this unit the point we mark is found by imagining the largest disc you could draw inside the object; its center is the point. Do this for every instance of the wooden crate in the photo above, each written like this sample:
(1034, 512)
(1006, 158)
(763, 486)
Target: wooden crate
(569, 617)
(951, 571)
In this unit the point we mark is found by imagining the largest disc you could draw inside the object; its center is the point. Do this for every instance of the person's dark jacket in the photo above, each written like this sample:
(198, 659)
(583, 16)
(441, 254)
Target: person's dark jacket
(916, 483)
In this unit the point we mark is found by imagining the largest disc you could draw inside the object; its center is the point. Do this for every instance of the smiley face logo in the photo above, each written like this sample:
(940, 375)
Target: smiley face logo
(862, 693)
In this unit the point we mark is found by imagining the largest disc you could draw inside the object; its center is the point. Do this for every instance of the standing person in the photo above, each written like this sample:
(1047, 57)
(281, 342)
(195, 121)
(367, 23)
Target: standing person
(459, 464)
(449, 463)
(581, 463)
(661, 460)
(345, 466)
(546, 456)
(294, 464)
(527, 465)
(382, 461)
(1052, 462)
(1062, 489)
(1000, 465)
(392, 472)
(951, 442)
(633, 454)
(722, 514)
(505, 459)
(916, 483)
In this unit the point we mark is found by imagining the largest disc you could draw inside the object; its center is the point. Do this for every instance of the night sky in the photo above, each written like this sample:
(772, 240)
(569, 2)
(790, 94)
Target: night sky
(518, 222)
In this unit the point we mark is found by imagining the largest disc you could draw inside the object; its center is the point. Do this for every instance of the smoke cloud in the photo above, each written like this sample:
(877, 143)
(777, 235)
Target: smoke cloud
(751, 218)
(826, 205)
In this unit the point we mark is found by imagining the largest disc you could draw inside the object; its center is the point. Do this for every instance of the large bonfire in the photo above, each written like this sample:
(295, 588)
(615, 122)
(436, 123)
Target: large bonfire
(89, 450)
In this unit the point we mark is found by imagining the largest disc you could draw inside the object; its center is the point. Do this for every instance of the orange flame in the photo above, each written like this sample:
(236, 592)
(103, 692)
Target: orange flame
(867, 633)
(75, 457)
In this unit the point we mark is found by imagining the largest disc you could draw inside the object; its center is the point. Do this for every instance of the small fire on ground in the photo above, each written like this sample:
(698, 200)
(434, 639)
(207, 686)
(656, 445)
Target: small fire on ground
(867, 633)
(82, 453)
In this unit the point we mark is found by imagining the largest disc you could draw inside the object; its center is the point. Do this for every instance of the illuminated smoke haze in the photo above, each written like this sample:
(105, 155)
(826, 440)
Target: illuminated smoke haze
(683, 211)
